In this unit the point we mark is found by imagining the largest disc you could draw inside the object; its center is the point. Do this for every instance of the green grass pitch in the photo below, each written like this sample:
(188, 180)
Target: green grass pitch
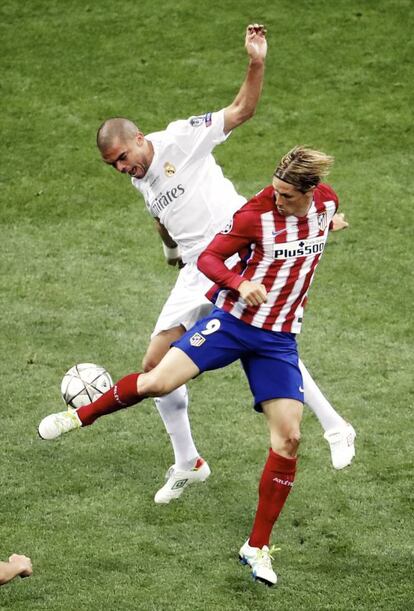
(83, 278)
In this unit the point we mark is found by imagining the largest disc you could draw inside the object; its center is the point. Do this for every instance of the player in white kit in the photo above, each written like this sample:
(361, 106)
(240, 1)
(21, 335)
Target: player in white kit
(186, 193)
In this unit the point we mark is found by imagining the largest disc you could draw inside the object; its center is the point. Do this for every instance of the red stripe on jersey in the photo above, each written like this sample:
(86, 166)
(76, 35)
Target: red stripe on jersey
(271, 271)
(303, 232)
(287, 325)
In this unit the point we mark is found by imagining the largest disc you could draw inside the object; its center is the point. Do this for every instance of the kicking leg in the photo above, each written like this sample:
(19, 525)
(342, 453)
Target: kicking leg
(174, 370)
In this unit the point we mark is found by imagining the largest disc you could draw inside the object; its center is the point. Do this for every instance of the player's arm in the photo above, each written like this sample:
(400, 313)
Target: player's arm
(17, 565)
(170, 248)
(244, 105)
(211, 261)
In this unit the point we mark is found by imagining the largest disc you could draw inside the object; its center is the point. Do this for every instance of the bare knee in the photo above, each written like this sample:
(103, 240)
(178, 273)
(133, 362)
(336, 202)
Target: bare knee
(286, 441)
(152, 385)
(149, 362)
(292, 442)
(159, 346)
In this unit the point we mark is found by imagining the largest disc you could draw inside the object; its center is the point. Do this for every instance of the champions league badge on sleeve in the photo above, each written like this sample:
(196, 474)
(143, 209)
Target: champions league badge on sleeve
(197, 121)
(227, 228)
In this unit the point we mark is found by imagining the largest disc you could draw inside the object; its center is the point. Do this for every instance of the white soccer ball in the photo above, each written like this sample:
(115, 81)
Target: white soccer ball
(84, 383)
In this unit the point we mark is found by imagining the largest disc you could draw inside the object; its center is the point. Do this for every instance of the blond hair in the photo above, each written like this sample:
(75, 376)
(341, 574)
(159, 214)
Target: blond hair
(117, 128)
(303, 167)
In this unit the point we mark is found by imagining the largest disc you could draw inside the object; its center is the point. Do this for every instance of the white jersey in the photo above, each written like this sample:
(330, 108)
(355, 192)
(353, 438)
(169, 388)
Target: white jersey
(184, 187)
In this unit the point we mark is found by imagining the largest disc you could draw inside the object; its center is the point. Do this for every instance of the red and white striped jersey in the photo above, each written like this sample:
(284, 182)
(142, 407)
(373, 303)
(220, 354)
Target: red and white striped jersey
(281, 252)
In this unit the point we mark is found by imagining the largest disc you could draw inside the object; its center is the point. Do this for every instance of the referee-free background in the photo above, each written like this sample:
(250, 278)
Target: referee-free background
(83, 278)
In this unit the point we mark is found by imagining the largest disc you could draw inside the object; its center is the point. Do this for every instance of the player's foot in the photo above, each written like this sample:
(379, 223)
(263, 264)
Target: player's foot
(178, 480)
(341, 441)
(55, 425)
(260, 561)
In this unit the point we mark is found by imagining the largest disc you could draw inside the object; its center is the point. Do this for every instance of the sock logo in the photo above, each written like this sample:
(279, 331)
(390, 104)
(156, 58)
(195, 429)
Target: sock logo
(283, 482)
(117, 397)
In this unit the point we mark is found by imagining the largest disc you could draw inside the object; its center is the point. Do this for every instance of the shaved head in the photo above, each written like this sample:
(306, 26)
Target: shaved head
(115, 129)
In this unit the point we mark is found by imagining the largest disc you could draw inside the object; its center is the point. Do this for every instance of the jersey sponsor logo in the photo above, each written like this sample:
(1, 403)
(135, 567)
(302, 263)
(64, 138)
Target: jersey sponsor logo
(208, 119)
(322, 221)
(227, 228)
(163, 200)
(169, 169)
(197, 340)
(299, 248)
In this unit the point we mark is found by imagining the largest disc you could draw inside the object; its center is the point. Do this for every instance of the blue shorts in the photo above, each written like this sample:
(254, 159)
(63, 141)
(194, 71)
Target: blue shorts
(269, 358)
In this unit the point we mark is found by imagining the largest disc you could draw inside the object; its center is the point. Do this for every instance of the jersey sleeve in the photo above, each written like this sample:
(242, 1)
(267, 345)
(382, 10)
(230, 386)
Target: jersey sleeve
(330, 194)
(198, 135)
(234, 239)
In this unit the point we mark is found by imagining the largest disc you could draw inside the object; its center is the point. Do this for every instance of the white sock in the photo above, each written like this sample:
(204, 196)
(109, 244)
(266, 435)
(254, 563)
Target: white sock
(173, 411)
(316, 401)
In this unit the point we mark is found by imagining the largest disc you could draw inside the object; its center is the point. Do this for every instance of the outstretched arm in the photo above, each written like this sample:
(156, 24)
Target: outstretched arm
(17, 565)
(244, 105)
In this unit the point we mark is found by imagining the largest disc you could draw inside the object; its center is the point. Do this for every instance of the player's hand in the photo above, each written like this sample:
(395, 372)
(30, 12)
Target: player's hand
(23, 564)
(339, 222)
(252, 293)
(256, 43)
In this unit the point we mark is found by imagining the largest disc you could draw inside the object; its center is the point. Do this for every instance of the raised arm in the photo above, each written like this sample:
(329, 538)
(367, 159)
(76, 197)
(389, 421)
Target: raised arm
(244, 105)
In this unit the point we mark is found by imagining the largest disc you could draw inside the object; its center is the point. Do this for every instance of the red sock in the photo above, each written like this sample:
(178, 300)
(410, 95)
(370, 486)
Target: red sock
(122, 395)
(275, 484)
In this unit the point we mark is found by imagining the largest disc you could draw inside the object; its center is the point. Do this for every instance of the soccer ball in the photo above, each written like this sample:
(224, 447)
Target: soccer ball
(84, 383)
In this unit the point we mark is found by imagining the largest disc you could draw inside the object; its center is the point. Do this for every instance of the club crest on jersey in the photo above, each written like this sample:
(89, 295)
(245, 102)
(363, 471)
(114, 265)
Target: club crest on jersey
(227, 228)
(322, 221)
(169, 169)
(197, 340)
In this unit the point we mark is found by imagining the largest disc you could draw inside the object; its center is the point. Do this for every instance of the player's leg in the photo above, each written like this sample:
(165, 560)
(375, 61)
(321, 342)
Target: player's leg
(276, 383)
(129, 390)
(283, 417)
(185, 305)
(339, 434)
(173, 407)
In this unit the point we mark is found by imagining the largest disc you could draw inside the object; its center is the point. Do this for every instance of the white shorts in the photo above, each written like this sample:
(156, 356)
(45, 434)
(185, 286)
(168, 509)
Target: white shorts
(187, 302)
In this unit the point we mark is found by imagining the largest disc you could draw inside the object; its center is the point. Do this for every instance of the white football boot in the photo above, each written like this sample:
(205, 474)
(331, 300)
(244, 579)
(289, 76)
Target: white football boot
(178, 480)
(260, 561)
(341, 442)
(55, 425)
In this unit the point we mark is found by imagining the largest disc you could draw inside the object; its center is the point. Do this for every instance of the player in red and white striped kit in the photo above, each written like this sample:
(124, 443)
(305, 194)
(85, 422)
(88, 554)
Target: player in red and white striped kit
(269, 244)
(280, 236)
